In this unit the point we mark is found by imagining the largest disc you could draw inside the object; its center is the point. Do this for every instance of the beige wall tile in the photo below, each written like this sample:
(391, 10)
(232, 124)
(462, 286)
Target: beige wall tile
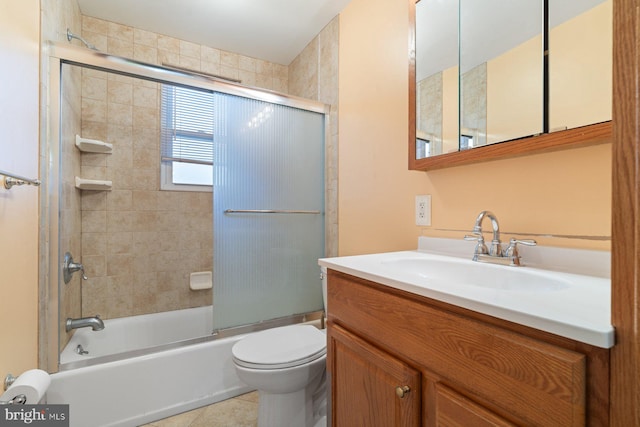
(119, 221)
(95, 25)
(94, 88)
(248, 78)
(95, 265)
(120, 32)
(168, 58)
(146, 38)
(146, 118)
(210, 54)
(189, 49)
(167, 43)
(229, 72)
(229, 59)
(145, 97)
(94, 221)
(119, 200)
(120, 243)
(120, 47)
(211, 68)
(190, 63)
(93, 110)
(94, 201)
(120, 113)
(145, 53)
(99, 41)
(119, 92)
(246, 63)
(94, 244)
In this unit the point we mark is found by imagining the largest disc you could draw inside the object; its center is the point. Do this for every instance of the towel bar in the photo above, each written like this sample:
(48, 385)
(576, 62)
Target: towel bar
(13, 179)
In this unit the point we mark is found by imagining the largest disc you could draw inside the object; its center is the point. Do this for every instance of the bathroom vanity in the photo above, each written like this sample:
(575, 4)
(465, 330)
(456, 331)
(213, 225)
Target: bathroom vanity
(399, 358)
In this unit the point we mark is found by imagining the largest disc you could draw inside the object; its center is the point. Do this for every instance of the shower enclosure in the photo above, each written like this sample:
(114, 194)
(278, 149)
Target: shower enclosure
(268, 211)
(258, 225)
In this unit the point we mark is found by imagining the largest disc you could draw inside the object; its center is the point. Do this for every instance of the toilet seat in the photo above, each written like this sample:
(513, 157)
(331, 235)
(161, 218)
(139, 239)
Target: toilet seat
(279, 348)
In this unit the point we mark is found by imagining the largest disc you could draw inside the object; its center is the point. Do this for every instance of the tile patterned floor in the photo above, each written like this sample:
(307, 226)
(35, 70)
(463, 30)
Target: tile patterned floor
(241, 411)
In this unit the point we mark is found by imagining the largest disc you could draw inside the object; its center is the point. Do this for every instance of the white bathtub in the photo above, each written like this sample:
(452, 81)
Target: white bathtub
(131, 376)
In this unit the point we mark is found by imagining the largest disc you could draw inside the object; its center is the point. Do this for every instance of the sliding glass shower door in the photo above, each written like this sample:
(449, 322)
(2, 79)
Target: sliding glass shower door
(268, 211)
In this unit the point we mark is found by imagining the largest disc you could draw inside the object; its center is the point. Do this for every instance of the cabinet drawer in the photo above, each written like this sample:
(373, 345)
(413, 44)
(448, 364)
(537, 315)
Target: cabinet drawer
(454, 410)
(538, 383)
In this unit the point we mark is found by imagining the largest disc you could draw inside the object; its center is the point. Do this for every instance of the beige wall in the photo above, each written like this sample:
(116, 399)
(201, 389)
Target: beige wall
(19, 50)
(376, 191)
(567, 192)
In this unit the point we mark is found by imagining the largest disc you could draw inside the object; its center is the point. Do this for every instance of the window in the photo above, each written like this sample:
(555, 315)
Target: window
(186, 139)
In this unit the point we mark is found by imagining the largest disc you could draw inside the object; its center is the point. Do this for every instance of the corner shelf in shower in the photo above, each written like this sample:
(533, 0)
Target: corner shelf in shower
(93, 184)
(93, 145)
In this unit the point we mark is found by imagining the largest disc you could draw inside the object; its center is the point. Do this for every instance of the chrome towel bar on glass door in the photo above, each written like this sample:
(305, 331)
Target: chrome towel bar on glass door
(270, 211)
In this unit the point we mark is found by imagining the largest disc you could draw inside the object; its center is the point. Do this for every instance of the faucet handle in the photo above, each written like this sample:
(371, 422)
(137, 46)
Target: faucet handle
(512, 249)
(481, 248)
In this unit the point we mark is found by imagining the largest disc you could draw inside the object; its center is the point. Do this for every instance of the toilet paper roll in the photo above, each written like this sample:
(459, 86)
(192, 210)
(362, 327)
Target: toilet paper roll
(33, 384)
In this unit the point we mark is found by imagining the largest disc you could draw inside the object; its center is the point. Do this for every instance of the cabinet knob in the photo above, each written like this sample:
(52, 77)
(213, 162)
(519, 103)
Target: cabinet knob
(401, 391)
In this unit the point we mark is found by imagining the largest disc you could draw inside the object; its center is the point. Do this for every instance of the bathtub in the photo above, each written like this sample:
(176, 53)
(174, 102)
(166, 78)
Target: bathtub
(143, 368)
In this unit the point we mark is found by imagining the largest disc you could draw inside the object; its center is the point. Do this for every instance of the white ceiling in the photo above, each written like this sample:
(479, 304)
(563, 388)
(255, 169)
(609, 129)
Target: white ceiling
(272, 30)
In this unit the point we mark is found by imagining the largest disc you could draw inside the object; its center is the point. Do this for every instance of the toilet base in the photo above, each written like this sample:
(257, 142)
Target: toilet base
(302, 408)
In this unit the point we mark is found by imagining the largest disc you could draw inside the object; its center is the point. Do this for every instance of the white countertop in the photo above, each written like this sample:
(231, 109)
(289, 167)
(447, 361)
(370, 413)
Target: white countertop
(579, 307)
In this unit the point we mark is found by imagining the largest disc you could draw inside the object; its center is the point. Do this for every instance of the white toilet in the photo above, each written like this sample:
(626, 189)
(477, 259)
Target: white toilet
(287, 367)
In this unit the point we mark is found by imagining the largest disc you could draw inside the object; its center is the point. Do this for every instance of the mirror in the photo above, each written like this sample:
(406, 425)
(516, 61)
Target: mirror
(501, 70)
(436, 77)
(481, 78)
(580, 62)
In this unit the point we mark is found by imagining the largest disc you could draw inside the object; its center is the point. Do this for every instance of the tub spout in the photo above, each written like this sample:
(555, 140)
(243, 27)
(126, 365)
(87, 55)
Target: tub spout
(95, 323)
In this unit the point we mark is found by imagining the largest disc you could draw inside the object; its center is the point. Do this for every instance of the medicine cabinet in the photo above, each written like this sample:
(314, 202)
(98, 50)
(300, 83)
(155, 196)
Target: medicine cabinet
(533, 76)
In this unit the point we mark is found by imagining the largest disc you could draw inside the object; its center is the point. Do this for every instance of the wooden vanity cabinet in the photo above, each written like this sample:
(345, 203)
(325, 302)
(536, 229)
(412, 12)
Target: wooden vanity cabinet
(399, 359)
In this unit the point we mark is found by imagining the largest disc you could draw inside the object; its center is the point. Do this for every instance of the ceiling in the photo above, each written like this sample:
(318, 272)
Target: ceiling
(271, 30)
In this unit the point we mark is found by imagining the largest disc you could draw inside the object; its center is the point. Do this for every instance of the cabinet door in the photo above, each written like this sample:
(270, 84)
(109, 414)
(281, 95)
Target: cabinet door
(370, 387)
(455, 410)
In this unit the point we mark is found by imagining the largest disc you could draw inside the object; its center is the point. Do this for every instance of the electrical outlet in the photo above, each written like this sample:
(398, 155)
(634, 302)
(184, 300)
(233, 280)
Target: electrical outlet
(423, 210)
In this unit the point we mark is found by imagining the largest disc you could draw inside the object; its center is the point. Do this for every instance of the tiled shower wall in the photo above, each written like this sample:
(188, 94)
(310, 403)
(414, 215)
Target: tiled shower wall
(313, 74)
(139, 244)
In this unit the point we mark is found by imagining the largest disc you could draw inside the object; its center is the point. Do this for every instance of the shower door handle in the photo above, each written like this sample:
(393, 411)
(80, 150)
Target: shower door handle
(270, 211)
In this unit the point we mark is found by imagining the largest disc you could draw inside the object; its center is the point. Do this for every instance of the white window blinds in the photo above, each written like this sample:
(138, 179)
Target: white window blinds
(186, 125)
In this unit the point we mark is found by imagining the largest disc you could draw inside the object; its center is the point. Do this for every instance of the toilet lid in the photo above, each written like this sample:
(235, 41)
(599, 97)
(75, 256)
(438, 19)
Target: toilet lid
(282, 347)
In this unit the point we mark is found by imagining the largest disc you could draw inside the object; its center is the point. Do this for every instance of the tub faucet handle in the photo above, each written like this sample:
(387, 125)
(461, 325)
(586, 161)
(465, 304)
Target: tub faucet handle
(69, 267)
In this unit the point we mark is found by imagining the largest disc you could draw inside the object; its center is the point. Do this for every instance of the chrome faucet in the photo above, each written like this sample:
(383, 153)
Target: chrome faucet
(495, 249)
(495, 254)
(94, 322)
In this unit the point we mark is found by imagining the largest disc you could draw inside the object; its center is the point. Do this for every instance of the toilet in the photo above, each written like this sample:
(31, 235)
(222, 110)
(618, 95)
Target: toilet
(287, 367)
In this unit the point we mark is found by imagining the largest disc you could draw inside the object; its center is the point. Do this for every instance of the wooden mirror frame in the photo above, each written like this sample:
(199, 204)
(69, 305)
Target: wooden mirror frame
(599, 133)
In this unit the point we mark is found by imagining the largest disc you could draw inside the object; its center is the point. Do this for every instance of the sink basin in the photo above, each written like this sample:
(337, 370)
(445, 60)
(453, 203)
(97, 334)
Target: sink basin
(469, 273)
